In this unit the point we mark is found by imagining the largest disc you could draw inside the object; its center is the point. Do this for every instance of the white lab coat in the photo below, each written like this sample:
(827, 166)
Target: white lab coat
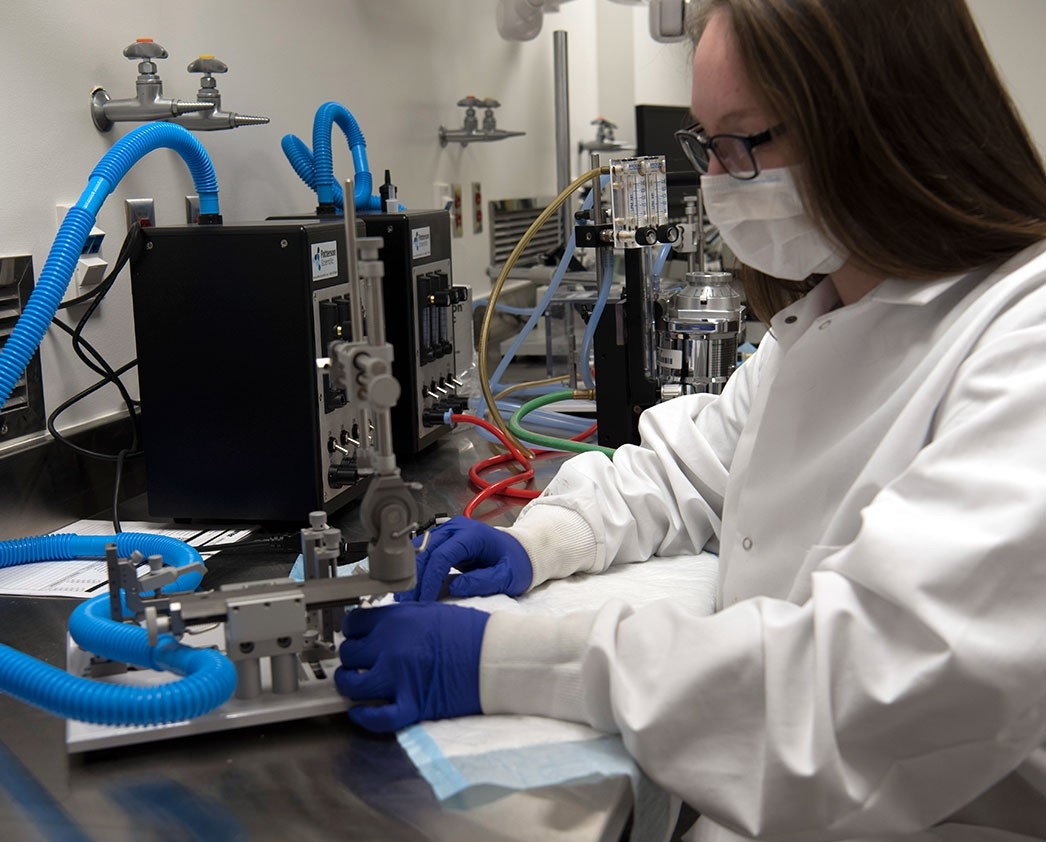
(875, 477)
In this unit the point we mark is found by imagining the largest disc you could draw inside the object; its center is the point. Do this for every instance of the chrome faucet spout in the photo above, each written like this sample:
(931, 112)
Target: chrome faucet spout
(149, 102)
(105, 111)
(471, 131)
(215, 119)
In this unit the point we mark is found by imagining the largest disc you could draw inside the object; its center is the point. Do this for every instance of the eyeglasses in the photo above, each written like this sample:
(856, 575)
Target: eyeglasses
(733, 151)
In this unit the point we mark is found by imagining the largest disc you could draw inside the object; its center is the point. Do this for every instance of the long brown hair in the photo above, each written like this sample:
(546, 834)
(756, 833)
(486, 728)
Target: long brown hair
(913, 155)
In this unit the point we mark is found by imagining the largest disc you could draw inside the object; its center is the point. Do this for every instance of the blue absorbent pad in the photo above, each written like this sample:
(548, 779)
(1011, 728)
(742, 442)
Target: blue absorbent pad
(444, 753)
(564, 759)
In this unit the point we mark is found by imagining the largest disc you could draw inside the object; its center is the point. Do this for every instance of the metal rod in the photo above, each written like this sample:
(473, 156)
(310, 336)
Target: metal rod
(604, 256)
(355, 293)
(562, 77)
(284, 672)
(700, 231)
(112, 564)
(248, 678)
(355, 299)
(381, 419)
(375, 310)
(597, 192)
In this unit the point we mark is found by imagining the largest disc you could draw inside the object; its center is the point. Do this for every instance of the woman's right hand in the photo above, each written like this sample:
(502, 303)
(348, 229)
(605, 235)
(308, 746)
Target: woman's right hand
(490, 561)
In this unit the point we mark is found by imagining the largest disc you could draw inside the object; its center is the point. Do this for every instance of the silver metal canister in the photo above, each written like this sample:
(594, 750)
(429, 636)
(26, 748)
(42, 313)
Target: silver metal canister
(703, 326)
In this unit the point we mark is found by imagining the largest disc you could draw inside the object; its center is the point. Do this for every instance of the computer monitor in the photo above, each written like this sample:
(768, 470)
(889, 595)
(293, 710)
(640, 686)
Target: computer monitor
(656, 126)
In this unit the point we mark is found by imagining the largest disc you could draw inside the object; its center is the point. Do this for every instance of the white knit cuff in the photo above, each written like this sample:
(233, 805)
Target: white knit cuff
(532, 665)
(558, 540)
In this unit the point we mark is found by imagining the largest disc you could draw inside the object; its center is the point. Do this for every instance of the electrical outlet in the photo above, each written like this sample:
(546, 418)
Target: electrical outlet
(89, 272)
(477, 207)
(456, 221)
(142, 211)
(192, 209)
(91, 267)
(442, 198)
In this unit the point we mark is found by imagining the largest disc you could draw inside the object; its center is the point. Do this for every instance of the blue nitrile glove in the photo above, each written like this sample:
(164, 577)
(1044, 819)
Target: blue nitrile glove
(490, 561)
(420, 659)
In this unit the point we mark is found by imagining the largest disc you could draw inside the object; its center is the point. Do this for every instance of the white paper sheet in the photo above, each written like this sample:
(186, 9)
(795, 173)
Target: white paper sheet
(83, 578)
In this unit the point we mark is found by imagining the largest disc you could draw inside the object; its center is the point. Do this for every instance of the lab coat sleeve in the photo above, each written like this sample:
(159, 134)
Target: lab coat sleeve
(662, 497)
(912, 679)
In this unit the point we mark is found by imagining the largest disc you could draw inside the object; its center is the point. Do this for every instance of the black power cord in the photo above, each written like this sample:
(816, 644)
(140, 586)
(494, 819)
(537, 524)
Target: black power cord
(98, 364)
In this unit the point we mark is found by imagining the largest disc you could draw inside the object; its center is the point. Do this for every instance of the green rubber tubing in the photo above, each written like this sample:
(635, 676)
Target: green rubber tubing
(515, 425)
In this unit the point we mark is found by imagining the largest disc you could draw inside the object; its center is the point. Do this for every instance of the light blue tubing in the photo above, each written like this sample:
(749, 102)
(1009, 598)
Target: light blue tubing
(561, 424)
(77, 224)
(535, 316)
(480, 303)
(601, 302)
(606, 258)
(539, 310)
(659, 261)
(209, 677)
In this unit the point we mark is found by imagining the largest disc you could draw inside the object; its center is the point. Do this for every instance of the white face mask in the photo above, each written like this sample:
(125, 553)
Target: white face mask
(764, 223)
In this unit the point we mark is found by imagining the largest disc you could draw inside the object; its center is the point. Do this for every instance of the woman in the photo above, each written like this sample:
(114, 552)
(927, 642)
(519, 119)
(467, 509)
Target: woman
(874, 478)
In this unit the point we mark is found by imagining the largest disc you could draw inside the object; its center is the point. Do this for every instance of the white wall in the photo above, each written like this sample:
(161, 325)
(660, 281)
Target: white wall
(662, 71)
(1014, 31)
(398, 65)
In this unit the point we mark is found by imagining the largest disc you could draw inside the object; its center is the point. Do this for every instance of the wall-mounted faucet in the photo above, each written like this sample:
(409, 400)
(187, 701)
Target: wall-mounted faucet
(149, 103)
(471, 132)
(215, 118)
(605, 140)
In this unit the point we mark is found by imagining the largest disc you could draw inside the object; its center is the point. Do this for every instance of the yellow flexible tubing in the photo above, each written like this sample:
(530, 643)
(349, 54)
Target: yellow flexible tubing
(495, 291)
